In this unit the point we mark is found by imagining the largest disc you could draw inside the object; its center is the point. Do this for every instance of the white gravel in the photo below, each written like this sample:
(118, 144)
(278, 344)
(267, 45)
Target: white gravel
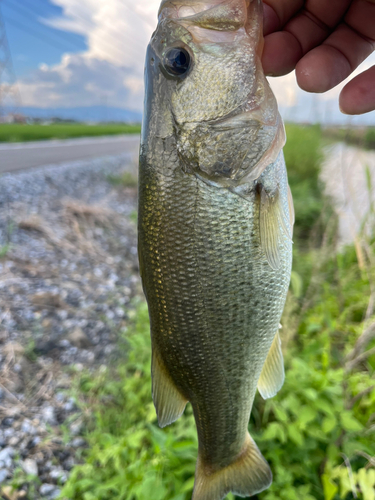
(68, 272)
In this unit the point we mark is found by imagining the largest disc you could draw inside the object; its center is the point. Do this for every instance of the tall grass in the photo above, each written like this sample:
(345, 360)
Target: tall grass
(318, 433)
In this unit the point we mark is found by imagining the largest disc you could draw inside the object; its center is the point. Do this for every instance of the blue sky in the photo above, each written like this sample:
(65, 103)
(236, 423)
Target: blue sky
(69, 53)
(31, 41)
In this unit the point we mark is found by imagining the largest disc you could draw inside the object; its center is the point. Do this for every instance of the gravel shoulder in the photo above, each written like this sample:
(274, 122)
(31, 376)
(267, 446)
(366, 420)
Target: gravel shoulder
(68, 273)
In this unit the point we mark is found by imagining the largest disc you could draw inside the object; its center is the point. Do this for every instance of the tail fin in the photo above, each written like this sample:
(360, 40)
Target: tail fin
(248, 475)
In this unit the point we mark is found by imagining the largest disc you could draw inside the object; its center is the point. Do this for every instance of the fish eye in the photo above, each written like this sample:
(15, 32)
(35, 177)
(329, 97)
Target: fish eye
(177, 61)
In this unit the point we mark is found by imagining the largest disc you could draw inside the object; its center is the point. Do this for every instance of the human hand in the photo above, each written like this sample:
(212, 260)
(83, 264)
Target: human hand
(324, 41)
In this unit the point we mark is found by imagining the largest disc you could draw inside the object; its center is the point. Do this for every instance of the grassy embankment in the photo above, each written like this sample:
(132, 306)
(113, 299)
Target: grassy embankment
(318, 433)
(362, 137)
(24, 133)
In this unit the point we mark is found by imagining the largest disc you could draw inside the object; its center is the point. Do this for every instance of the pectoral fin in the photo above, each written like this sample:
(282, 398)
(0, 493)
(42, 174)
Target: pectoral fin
(292, 215)
(273, 375)
(274, 225)
(169, 402)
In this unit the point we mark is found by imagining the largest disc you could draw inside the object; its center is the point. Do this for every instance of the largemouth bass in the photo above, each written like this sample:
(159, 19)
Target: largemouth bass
(215, 232)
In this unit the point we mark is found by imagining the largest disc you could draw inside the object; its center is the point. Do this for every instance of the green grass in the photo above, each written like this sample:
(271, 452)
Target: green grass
(303, 157)
(4, 250)
(320, 425)
(303, 432)
(370, 138)
(318, 417)
(24, 133)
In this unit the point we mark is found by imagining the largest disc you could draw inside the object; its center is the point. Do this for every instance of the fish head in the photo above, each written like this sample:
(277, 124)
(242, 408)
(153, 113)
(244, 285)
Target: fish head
(206, 93)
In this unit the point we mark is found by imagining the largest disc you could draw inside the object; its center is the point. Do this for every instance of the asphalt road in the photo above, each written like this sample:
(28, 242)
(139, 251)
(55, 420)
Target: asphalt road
(24, 156)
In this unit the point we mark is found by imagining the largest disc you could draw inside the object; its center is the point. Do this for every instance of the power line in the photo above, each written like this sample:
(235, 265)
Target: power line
(9, 93)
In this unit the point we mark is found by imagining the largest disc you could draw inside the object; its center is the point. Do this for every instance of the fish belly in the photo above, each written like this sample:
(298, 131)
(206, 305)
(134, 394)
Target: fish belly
(215, 303)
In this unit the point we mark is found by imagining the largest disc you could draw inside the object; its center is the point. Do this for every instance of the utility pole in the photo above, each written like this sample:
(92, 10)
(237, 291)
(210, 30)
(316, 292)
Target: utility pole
(10, 99)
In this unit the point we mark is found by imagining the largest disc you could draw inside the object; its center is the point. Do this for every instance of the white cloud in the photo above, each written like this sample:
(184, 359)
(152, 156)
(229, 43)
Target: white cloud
(111, 70)
(116, 30)
(80, 80)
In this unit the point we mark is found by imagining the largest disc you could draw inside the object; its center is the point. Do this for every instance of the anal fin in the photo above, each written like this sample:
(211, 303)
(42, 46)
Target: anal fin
(272, 377)
(169, 402)
(248, 475)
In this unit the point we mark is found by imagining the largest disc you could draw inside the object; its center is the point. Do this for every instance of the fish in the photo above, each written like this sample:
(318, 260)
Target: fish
(215, 230)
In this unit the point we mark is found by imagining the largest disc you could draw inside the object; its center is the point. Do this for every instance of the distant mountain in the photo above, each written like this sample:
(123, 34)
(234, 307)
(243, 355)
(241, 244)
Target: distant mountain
(86, 114)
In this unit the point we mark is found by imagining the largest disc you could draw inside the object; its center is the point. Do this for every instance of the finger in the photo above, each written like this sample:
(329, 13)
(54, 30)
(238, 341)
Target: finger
(281, 53)
(358, 96)
(271, 22)
(277, 13)
(308, 30)
(329, 64)
(361, 17)
(283, 49)
(328, 12)
(313, 24)
(309, 27)
(283, 10)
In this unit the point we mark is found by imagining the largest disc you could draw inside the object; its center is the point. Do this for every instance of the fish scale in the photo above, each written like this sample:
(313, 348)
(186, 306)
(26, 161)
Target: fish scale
(210, 238)
(215, 226)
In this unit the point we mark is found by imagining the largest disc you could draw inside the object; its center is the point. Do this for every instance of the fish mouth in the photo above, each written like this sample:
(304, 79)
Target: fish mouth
(215, 21)
(215, 15)
(186, 8)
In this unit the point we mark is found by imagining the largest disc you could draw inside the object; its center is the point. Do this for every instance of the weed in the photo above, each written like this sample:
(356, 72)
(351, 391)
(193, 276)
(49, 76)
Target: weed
(30, 353)
(126, 180)
(4, 250)
(134, 217)
(19, 479)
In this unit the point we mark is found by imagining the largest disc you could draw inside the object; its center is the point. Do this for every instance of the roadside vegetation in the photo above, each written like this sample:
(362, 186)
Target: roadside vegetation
(362, 137)
(24, 133)
(318, 433)
(124, 180)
